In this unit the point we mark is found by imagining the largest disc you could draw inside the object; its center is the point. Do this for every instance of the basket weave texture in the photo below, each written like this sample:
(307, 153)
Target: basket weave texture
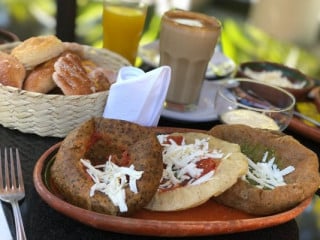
(51, 114)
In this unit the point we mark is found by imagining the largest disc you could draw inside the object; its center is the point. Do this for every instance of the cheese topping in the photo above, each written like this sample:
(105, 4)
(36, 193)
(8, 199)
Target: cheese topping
(180, 161)
(112, 180)
(266, 174)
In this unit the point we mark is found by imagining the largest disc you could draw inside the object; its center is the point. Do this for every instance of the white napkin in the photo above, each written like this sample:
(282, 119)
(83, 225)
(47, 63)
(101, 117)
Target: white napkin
(137, 96)
(5, 233)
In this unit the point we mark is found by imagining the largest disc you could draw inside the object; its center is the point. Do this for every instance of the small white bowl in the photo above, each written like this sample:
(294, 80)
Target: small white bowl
(260, 105)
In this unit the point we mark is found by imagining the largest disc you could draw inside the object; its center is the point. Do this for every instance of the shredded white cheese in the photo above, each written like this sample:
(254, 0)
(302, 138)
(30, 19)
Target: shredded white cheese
(111, 180)
(266, 174)
(274, 77)
(180, 161)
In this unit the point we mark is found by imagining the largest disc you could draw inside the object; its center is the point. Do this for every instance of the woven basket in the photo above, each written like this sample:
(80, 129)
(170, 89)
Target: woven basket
(50, 114)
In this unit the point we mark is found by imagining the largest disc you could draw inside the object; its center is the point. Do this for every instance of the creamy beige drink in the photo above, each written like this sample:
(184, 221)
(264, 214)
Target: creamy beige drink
(187, 42)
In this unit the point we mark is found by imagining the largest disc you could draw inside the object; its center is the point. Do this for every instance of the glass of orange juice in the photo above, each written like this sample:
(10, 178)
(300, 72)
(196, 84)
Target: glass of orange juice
(123, 22)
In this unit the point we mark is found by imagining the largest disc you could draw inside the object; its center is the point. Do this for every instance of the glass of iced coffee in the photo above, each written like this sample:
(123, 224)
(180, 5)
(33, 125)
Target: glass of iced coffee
(187, 43)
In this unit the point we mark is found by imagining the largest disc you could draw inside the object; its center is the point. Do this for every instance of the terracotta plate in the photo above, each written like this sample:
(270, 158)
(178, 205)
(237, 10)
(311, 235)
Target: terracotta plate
(210, 218)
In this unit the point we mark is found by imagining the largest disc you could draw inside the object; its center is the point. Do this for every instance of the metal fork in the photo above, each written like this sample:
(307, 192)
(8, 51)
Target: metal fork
(10, 191)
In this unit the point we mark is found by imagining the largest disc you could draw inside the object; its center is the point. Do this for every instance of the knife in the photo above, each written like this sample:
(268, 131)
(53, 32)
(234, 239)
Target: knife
(5, 233)
(311, 120)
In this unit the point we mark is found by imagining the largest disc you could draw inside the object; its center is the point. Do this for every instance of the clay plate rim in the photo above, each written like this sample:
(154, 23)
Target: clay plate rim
(147, 227)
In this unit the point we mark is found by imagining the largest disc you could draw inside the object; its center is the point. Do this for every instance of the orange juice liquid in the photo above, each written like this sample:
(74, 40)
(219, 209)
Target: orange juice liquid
(122, 30)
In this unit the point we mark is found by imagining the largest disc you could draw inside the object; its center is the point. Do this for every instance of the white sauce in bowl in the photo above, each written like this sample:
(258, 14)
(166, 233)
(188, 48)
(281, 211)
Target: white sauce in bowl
(250, 118)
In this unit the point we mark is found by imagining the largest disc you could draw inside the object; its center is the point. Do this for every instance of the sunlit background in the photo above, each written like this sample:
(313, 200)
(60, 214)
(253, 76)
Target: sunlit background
(284, 31)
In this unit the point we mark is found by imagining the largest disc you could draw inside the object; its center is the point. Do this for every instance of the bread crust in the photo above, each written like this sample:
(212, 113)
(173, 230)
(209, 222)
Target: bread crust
(301, 183)
(12, 72)
(40, 78)
(95, 140)
(71, 77)
(36, 50)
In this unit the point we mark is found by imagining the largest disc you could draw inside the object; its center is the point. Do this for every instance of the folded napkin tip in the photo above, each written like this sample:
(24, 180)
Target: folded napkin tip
(138, 96)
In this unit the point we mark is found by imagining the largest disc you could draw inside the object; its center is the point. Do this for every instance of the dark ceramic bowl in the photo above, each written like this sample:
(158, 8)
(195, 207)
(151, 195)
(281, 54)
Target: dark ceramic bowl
(7, 37)
(301, 84)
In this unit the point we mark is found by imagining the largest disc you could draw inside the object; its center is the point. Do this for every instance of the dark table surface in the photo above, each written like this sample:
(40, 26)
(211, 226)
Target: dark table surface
(43, 222)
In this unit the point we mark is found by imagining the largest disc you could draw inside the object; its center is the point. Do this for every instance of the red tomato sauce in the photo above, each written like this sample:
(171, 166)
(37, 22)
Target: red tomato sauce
(207, 164)
(177, 139)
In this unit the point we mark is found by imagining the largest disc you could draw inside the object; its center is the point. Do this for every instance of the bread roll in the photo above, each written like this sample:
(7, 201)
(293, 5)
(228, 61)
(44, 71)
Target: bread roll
(71, 77)
(40, 79)
(100, 77)
(36, 50)
(12, 72)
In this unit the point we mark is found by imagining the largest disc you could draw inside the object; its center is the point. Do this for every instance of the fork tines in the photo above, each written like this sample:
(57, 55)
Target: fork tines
(10, 173)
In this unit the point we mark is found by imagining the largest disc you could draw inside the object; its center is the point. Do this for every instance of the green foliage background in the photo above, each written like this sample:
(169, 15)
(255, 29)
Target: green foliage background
(239, 40)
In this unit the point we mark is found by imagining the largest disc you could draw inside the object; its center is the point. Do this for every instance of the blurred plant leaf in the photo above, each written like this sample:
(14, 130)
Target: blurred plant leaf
(89, 22)
(152, 31)
(20, 9)
(243, 42)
